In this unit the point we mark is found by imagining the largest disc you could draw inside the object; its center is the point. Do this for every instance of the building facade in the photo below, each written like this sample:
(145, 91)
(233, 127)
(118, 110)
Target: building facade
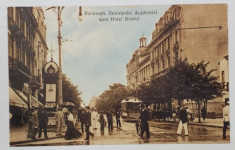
(198, 32)
(41, 51)
(92, 103)
(25, 58)
(138, 68)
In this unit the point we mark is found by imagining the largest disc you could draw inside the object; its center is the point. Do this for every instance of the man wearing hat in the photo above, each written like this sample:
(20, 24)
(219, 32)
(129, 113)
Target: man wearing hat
(34, 122)
(59, 115)
(88, 123)
(226, 118)
(43, 120)
(109, 116)
(144, 118)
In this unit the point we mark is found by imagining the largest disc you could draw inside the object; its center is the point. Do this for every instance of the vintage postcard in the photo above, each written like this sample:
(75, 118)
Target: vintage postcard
(118, 75)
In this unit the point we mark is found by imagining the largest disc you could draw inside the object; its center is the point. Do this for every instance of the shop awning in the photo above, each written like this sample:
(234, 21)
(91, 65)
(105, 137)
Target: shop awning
(34, 101)
(15, 100)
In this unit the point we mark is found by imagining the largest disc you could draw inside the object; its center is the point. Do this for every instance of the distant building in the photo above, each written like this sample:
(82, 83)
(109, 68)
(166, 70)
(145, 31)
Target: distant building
(92, 102)
(198, 32)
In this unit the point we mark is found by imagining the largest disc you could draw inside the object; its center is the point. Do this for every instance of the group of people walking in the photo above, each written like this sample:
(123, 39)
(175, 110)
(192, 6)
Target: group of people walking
(70, 121)
(90, 120)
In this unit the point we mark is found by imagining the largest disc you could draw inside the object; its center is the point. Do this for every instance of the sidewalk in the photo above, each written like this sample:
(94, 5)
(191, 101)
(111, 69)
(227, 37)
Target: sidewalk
(218, 122)
(19, 135)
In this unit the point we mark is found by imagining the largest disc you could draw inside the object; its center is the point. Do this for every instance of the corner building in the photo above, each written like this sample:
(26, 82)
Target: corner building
(198, 32)
(27, 52)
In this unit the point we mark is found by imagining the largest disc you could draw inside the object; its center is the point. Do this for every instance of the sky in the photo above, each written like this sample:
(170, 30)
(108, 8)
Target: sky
(96, 53)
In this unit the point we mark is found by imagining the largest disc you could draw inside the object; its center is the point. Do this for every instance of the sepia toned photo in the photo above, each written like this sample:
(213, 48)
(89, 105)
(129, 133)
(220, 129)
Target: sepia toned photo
(117, 75)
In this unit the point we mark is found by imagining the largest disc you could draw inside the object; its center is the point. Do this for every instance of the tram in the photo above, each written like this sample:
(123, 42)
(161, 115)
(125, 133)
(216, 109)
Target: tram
(131, 109)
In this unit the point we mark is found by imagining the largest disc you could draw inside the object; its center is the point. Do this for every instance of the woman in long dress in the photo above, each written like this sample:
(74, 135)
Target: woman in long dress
(71, 131)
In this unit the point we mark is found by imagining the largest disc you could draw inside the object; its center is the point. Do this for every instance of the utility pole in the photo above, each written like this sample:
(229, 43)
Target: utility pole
(60, 94)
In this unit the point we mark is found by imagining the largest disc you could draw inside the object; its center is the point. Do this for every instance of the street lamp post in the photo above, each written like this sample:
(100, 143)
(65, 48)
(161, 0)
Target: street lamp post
(60, 94)
(59, 12)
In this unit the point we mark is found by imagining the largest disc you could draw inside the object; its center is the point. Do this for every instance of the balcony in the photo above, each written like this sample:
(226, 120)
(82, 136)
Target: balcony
(16, 65)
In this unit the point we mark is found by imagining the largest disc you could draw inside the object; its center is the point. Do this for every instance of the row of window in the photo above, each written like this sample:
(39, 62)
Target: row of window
(17, 45)
(167, 18)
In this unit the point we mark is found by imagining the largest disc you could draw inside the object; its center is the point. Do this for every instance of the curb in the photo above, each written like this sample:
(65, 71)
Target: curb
(31, 140)
(194, 123)
(68, 142)
(208, 125)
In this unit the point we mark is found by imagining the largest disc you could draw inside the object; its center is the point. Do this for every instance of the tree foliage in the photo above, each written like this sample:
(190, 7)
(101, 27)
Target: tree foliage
(182, 81)
(70, 92)
(112, 97)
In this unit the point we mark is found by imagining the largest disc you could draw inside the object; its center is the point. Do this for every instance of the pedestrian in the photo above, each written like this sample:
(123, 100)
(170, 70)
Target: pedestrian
(102, 121)
(88, 123)
(183, 121)
(144, 118)
(137, 126)
(71, 131)
(94, 118)
(34, 123)
(118, 119)
(109, 116)
(226, 118)
(174, 114)
(203, 113)
(59, 115)
(81, 118)
(188, 113)
(43, 120)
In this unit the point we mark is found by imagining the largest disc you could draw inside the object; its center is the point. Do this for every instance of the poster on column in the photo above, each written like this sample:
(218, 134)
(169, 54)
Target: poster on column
(50, 93)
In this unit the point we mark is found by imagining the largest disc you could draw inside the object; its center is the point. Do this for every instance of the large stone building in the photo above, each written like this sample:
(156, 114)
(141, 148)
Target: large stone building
(198, 32)
(27, 51)
(138, 68)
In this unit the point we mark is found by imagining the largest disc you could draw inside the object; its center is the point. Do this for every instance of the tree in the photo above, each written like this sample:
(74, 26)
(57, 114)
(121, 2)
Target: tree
(206, 86)
(112, 97)
(182, 81)
(144, 93)
(193, 81)
(70, 92)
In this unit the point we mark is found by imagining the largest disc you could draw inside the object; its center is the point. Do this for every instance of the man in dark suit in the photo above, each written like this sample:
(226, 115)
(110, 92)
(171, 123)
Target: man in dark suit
(43, 120)
(118, 120)
(88, 123)
(109, 116)
(183, 123)
(144, 118)
(81, 118)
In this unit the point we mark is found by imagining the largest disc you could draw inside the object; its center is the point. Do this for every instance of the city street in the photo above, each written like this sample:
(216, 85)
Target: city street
(161, 133)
